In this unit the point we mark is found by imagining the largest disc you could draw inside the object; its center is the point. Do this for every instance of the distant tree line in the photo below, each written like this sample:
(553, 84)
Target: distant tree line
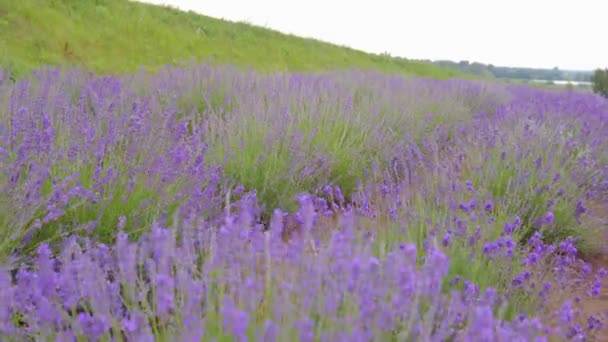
(600, 82)
(490, 70)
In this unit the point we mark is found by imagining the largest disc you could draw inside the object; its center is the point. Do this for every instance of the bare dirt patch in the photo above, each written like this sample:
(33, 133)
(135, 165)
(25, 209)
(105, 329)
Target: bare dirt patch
(597, 305)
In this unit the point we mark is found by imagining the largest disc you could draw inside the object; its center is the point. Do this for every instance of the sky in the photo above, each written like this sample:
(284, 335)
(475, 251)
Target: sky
(526, 33)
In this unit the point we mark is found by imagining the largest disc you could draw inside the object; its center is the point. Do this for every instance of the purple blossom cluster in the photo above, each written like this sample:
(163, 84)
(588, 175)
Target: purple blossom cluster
(206, 203)
(239, 281)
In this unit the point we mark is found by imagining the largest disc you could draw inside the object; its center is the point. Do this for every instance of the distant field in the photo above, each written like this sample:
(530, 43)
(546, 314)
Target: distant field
(117, 36)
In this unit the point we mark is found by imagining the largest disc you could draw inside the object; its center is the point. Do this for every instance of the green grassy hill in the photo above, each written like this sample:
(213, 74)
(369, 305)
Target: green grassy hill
(116, 36)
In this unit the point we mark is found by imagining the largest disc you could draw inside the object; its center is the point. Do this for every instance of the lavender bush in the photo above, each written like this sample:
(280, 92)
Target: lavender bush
(236, 281)
(143, 207)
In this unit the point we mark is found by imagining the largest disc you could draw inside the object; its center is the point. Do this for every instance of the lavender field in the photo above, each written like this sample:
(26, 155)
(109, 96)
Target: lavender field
(211, 204)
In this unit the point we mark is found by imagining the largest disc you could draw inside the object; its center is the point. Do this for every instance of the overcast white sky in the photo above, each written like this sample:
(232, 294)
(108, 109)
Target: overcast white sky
(534, 33)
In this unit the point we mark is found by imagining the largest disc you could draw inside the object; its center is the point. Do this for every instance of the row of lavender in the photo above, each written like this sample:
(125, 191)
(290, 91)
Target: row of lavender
(235, 283)
(438, 209)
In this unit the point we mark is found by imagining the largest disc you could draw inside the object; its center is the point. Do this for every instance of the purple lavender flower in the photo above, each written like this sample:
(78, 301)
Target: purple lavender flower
(165, 288)
(446, 238)
(470, 186)
(489, 206)
(306, 330)
(532, 259)
(566, 312)
(549, 218)
(93, 326)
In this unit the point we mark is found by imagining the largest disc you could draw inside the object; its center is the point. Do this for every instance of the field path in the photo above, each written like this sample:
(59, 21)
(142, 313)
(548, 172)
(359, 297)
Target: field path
(598, 215)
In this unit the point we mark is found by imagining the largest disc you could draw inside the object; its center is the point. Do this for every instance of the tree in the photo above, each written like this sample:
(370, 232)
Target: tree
(600, 82)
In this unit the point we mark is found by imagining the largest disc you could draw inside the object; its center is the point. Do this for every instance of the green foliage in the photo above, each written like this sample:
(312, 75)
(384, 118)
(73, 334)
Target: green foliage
(309, 152)
(117, 36)
(600, 82)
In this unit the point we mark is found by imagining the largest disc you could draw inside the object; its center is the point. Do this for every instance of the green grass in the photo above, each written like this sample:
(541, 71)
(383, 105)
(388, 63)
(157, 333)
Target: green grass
(118, 36)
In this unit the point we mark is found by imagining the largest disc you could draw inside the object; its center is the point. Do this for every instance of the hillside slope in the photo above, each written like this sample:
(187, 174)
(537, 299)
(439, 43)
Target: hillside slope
(116, 36)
